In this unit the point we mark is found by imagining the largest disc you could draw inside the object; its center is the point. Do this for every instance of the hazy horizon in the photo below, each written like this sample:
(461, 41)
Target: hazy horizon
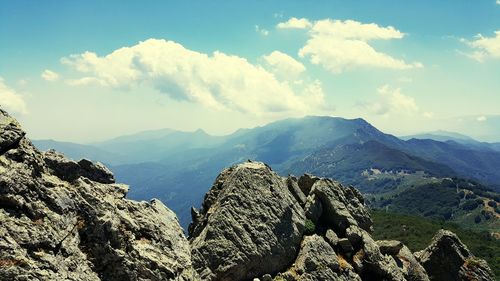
(86, 72)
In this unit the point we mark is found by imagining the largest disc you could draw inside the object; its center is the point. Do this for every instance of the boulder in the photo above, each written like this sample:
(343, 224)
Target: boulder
(250, 224)
(447, 258)
(341, 206)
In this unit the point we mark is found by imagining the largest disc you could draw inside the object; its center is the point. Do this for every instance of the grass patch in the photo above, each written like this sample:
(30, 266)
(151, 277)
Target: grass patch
(417, 232)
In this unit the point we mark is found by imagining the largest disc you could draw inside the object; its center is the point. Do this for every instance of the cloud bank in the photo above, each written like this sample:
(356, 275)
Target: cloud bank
(218, 80)
(342, 45)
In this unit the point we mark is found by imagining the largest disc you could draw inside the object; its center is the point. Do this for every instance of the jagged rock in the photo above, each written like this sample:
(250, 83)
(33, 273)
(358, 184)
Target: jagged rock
(318, 261)
(331, 237)
(10, 132)
(313, 208)
(53, 229)
(251, 225)
(374, 263)
(306, 182)
(389, 247)
(341, 206)
(447, 258)
(69, 170)
(294, 188)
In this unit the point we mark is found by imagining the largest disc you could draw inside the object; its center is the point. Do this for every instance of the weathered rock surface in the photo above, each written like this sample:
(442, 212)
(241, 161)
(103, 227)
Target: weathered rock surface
(65, 220)
(447, 258)
(249, 225)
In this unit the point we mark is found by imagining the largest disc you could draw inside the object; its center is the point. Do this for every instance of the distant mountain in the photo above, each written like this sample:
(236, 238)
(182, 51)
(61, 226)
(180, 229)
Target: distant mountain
(445, 136)
(178, 167)
(441, 135)
(77, 151)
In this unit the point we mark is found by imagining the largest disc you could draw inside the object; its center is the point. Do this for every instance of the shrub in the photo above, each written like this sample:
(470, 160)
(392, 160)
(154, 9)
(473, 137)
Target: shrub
(309, 227)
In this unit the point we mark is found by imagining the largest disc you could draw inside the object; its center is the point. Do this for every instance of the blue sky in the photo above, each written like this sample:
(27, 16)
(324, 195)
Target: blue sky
(221, 65)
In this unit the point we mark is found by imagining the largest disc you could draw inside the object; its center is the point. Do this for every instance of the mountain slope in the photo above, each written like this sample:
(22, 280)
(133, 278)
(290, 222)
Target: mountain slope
(178, 166)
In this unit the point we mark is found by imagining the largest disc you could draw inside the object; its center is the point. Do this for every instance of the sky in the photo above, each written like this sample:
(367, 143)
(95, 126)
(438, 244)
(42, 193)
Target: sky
(86, 71)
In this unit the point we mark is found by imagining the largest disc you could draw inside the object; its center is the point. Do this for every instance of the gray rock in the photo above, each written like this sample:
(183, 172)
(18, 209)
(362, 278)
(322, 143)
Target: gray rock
(69, 170)
(318, 261)
(374, 262)
(53, 229)
(306, 182)
(251, 225)
(313, 208)
(293, 187)
(10, 132)
(411, 268)
(331, 237)
(341, 206)
(447, 258)
(390, 247)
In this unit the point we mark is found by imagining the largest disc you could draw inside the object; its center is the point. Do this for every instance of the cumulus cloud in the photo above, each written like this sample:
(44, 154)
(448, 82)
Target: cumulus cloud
(283, 65)
(10, 100)
(392, 101)
(217, 80)
(341, 45)
(295, 23)
(49, 75)
(484, 47)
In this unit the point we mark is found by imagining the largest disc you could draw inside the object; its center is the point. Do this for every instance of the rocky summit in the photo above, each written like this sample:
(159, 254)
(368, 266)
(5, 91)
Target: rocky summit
(66, 220)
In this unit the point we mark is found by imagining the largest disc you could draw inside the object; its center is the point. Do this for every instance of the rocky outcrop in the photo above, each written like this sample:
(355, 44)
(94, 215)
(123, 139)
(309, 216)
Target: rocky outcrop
(447, 258)
(66, 220)
(249, 225)
(256, 225)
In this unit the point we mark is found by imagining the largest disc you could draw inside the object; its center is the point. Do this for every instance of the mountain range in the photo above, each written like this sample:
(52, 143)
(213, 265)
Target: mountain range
(177, 167)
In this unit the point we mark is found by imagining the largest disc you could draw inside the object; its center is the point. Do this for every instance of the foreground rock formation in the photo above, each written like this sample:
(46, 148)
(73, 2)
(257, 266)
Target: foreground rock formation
(67, 220)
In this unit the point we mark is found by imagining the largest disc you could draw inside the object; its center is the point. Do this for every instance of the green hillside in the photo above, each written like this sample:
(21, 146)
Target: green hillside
(417, 232)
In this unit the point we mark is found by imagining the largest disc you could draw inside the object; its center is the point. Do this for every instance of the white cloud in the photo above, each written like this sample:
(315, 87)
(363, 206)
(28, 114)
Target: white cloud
(342, 45)
(284, 66)
(295, 23)
(49, 75)
(392, 101)
(481, 118)
(10, 100)
(218, 81)
(498, 2)
(261, 31)
(484, 47)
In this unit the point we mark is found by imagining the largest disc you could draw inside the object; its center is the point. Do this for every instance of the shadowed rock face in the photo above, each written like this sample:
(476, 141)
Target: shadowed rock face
(63, 220)
(447, 258)
(67, 220)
